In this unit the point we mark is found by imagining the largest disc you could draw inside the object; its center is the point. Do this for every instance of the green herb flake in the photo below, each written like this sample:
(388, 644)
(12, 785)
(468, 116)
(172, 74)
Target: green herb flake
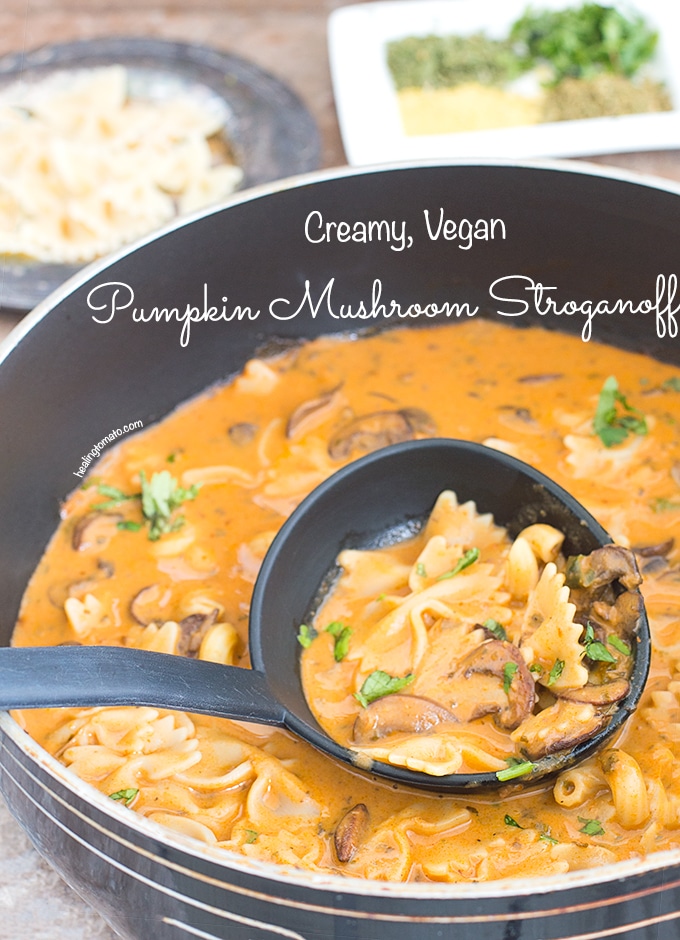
(610, 425)
(591, 827)
(251, 836)
(618, 644)
(515, 770)
(509, 821)
(305, 635)
(661, 504)
(672, 384)
(420, 570)
(379, 684)
(469, 558)
(544, 837)
(161, 495)
(124, 796)
(114, 497)
(129, 525)
(341, 633)
(594, 650)
(555, 672)
(536, 668)
(381, 597)
(509, 670)
(493, 626)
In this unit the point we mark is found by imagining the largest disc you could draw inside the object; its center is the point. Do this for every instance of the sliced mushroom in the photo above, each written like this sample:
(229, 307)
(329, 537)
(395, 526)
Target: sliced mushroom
(623, 615)
(604, 694)
(399, 713)
(540, 378)
(310, 414)
(491, 658)
(242, 433)
(58, 593)
(420, 421)
(654, 551)
(603, 566)
(558, 728)
(379, 429)
(350, 831)
(192, 630)
(95, 530)
(146, 605)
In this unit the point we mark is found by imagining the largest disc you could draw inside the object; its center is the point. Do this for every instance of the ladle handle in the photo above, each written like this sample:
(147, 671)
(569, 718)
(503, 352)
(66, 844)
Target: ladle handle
(87, 676)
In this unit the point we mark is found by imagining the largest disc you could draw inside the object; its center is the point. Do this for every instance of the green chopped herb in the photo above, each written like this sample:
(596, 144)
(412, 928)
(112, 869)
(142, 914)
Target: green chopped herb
(381, 597)
(664, 505)
(252, 836)
(420, 570)
(596, 651)
(509, 670)
(672, 384)
(469, 558)
(129, 525)
(610, 425)
(124, 796)
(555, 672)
(305, 635)
(591, 827)
(493, 626)
(618, 644)
(584, 41)
(537, 668)
(161, 495)
(547, 838)
(515, 770)
(379, 684)
(114, 497)
(341, 633)
(509, 821)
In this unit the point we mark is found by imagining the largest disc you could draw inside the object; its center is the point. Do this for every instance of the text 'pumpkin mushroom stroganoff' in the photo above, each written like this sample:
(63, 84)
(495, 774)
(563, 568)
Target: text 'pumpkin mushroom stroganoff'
(161, 545)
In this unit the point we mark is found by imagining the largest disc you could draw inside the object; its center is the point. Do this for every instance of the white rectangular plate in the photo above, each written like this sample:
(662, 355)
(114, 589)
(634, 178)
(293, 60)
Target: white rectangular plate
(367, 105)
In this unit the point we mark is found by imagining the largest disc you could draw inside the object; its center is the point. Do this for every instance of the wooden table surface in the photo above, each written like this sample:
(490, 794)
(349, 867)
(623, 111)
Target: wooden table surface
(287, 38)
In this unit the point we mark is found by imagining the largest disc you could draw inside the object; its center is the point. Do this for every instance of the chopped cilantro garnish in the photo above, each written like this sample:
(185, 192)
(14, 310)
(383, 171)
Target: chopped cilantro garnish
(469, 558)
(515, 770)
(537, 668)
(124, 796)
(596, 651)
(591, 827)
(341, 633)
(114, 496)
(129, 525)
(610, 424)
(379, 684)
(661, 504)
(509, 670)
(252, 836)
(305, 635)
(493, 626)
(420, 570)
(555, 672)
(547, 838)
(618, 644)
(509, 821)
(672, 384)
(161, 495)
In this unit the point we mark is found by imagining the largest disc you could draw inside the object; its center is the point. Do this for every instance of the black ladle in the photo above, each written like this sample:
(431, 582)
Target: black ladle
(375, 500)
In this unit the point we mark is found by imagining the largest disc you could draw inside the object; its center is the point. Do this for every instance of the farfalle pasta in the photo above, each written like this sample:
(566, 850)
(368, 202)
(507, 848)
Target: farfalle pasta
(160, 547)
(472, 659)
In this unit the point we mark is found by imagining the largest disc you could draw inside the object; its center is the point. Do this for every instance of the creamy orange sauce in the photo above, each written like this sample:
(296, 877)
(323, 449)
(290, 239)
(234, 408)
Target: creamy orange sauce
(258, 790)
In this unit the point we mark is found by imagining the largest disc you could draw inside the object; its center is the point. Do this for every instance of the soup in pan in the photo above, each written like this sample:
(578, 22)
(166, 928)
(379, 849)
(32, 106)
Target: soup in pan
(160, 546)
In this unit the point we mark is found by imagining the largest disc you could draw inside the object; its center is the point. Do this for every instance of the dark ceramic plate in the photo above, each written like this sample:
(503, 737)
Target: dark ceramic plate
(267, 128)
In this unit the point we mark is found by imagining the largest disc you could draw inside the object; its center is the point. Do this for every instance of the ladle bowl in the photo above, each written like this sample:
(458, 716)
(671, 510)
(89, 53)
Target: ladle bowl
(376, 500)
